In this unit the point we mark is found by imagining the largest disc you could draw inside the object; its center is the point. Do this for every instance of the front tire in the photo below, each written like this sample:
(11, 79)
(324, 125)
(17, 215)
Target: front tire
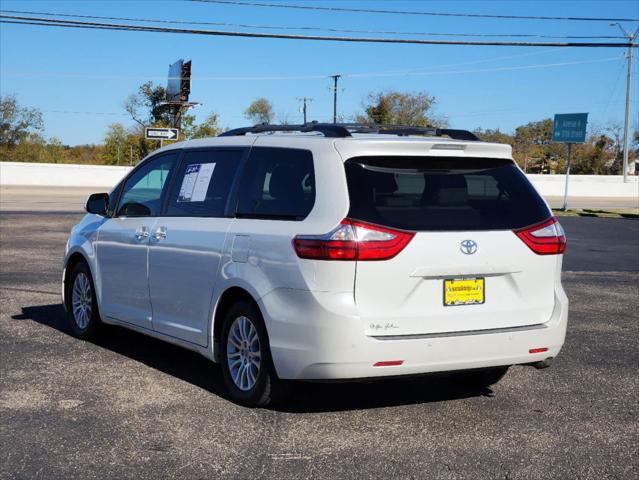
(82, 307)
(247, 367)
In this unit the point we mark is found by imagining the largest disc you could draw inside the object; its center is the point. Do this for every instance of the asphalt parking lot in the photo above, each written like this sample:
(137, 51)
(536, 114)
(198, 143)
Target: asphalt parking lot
(133, 407)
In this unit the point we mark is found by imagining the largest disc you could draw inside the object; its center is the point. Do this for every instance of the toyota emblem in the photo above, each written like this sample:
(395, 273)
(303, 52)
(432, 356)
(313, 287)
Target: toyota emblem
(468, 247)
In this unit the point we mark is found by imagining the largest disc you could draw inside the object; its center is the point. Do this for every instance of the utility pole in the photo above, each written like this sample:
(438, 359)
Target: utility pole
(626, 138)
(304, 100)
(335, 78)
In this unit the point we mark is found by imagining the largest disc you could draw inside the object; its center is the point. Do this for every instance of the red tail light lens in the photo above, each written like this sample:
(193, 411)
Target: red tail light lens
(544, 238)
(353, 240)
(389, 363)
(538, 350)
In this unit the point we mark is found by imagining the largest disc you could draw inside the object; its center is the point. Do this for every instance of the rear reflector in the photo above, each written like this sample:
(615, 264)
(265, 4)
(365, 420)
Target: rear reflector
(544, 238)
(538, 350)
(353, 240)
(389, 363)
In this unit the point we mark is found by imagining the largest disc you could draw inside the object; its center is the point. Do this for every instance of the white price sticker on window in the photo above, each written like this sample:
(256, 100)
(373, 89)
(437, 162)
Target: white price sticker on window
(195, 184)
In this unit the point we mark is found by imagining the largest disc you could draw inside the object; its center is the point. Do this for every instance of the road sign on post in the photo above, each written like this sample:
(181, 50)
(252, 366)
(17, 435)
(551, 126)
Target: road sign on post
(153, 133)
(569, 128)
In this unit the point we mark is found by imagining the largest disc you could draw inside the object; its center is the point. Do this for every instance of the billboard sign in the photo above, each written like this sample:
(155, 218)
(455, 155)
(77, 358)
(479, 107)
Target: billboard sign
(178, 85)
(174, 84)
(570, 127)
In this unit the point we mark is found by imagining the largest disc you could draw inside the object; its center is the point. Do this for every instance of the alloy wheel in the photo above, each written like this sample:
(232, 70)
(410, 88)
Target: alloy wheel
(243, 353)
(81, 300)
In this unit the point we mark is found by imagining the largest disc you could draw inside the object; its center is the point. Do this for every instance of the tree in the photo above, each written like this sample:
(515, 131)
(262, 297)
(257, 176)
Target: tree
(54, 151)
(495, 136)
(30, 149)
(17, 125)
(208, 128)
(84, 154)
(260, 111)
(392, 107)
(595, 156)
(116, 144)
(533, 148)
(147, 106)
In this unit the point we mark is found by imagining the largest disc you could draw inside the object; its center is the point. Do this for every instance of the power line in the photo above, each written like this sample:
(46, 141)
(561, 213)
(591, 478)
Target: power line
(323, 76)
(614, 89)
(322, 29)
(412, 12)
(83, 113)
(498, 69)
(39, 21)
(286, 77)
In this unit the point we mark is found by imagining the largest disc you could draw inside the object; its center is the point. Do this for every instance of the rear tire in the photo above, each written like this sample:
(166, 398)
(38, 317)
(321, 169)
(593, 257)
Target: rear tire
(483, 378)
(247, 366)
(82, 306)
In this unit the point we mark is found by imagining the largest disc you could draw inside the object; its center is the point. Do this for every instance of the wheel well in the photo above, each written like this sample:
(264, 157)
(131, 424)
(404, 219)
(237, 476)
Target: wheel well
(74, 259)
(228, 298)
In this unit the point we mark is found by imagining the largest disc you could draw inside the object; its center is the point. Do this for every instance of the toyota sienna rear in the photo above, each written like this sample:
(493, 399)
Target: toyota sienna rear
(332, 253)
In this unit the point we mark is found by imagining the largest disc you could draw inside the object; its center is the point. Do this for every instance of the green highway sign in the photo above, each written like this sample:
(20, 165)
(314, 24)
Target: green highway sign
(570, 127)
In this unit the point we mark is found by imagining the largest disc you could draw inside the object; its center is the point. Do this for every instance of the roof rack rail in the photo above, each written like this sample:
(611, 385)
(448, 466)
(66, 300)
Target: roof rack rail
(405, 130)
(341, 130)
(328, 129)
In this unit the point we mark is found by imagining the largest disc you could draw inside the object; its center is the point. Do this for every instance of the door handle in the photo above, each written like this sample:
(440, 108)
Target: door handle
(160, 234)
(142, 233)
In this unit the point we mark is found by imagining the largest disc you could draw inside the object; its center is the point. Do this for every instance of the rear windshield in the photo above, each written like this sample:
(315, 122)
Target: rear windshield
(426, 193)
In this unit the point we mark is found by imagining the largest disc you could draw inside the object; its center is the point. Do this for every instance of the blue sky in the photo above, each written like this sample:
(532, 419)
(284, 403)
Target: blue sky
(73, 70)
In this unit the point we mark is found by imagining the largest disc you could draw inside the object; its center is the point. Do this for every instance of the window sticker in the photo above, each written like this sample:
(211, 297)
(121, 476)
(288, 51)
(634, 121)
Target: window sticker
(196, 182)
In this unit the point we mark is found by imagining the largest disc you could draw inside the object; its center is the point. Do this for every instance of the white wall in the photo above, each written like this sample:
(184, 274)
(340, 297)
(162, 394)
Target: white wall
(66, 175)
(60, 175)
(602, 186)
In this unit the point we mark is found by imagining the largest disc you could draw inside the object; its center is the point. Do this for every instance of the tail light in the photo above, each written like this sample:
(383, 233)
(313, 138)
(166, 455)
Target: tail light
(353, 240)
(544, 238)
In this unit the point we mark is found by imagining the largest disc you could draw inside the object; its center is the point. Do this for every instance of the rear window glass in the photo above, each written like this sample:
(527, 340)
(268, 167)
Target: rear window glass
(426, 194)
(278, 184)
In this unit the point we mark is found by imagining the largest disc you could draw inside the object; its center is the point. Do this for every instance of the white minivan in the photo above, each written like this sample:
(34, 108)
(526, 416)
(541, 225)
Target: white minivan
(326, 252)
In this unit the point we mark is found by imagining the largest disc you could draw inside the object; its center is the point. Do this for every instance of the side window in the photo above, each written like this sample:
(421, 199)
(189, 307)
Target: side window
(142, 192)
(278, 183)
(203, 183)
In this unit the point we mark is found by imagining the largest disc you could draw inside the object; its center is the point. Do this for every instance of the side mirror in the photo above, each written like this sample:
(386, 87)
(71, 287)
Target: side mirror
(97, 203)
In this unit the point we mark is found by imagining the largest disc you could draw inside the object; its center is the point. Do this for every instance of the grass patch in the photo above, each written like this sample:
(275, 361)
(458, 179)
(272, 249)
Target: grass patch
(607, 213)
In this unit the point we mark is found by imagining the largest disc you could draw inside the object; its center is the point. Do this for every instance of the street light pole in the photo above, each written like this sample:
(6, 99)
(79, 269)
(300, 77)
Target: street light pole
(626, 125)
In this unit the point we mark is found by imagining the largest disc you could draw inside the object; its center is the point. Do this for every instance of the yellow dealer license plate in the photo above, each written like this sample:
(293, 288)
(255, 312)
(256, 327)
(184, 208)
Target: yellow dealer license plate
(466, 291)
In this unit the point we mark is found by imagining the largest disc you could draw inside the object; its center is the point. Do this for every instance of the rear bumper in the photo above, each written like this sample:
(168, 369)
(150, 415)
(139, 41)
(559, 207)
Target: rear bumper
(319, 336)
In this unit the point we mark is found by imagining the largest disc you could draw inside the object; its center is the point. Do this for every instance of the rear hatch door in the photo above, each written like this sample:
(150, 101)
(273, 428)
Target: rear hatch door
(465, 269)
